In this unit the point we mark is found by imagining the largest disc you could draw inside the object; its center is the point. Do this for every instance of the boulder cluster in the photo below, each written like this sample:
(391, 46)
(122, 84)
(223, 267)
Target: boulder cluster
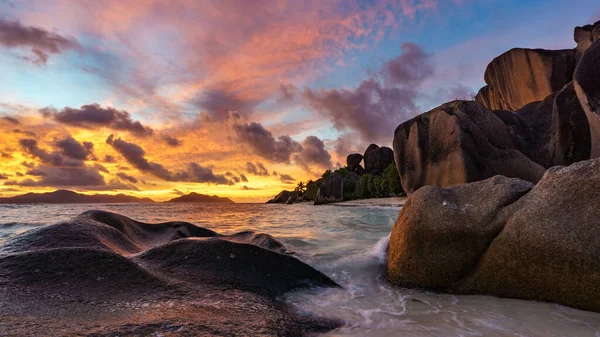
(540, 108)
(504, 189)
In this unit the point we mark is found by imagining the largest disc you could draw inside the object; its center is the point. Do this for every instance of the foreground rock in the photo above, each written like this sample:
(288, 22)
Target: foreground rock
(458, 142)
(505, 237)
(105, 274)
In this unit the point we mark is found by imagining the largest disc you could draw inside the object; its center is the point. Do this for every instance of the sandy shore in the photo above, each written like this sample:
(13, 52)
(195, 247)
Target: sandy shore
(380, 202)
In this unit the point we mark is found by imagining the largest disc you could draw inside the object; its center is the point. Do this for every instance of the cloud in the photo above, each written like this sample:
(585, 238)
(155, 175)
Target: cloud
(93, 116)
(264, 144)
(127, 177)
(135, 155)
(313, 153)
(177, 192)
(100, 168)
(24, 132)
(380, 102)
(54, 158)
(9, 119)
(40, 42)
(73, 149)
(3, 176)
(243, 178)
(171, 141)
(62, 177)
(257, 169)
(246, 188)
(286, 178)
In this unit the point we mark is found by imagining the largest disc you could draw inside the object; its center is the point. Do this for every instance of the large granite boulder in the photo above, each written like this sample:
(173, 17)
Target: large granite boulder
(353, 163)
(587, 86)
(331, 190)
(521, 76)
(585, 36)
(105, 274)
(377, 159)
(505, 237)
(456, 143)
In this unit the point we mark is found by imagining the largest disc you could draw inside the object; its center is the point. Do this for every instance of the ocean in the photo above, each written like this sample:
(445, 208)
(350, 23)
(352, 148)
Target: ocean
(349, 245)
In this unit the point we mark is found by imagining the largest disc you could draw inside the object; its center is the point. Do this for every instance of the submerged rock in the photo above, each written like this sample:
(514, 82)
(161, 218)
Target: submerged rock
(505, 237)
(87, 274)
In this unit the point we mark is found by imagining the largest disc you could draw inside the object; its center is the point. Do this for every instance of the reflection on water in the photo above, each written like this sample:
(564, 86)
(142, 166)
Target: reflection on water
(348, 244)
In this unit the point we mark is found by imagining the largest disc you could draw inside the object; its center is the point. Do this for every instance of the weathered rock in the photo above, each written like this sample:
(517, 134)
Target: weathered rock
(377, 159)
(587, 86)
(442, 233)
(585, 36)
(456, 143)
(493, 237)
(521, 76)
(105, 274)
(283, 197)
(354, 159)
(331, 190)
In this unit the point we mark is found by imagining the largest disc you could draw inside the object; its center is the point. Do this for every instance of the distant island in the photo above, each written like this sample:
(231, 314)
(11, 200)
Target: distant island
(70, 197)
(201, 198)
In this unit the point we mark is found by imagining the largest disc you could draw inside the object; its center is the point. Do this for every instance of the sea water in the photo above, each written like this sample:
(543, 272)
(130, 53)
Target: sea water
(348, 244)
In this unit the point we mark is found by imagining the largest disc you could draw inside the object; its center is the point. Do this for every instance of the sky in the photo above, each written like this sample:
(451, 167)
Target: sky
(239, 99)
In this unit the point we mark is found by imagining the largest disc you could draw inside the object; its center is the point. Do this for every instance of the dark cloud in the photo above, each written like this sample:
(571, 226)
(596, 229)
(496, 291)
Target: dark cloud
(313, 153)
(172, 141)
(24, 132)
(109, 159)
(3, 176)
(6, 155)
(28, 164)
(62, 177)
(40, 42)
(246, 188)
(135, 156)
(286, 178)
(100, 168)
(220, 102)
(31, 147)
(257, 169)
(127, 177)
(177, 192)
(93, 115)
(73, 149)
(287, 93)
(243, 178)
(11, 120)
(264, 143)
(380, 102)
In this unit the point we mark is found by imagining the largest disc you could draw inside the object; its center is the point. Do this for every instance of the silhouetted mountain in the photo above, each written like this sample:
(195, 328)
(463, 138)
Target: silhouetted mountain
(70, 197)
(196, 197)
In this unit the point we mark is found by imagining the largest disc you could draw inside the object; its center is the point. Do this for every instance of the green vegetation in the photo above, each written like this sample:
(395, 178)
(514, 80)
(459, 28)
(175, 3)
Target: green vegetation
(358, 187)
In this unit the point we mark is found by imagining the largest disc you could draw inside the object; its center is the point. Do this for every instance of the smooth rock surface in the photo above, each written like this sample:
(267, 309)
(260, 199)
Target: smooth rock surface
(456, 143)
(105, 274)
(587, 86)
(494, 237)
(331, 190)
(377, 159)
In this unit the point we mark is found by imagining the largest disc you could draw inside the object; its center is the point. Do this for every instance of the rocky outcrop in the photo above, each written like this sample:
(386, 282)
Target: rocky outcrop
(377, 159)
(458, 142)
(353, 163)
(585, 36)
(331, 190)
(587, 86)
(521, 76)
(505, 237)
(283, 197)
(104, 266)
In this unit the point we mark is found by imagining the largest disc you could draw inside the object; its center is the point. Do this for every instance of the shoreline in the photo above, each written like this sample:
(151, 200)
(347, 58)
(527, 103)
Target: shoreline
(374, 202)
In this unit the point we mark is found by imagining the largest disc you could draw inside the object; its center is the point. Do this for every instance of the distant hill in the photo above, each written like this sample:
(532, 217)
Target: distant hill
(199, 198)
(70, 197)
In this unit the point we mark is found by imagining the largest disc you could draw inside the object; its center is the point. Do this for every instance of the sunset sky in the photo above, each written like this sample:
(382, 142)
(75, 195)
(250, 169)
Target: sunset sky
(237, 98)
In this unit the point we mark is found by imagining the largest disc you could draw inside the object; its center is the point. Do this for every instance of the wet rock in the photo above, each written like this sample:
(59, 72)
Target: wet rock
(505, 237)
(456, 143)
(87, 273)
